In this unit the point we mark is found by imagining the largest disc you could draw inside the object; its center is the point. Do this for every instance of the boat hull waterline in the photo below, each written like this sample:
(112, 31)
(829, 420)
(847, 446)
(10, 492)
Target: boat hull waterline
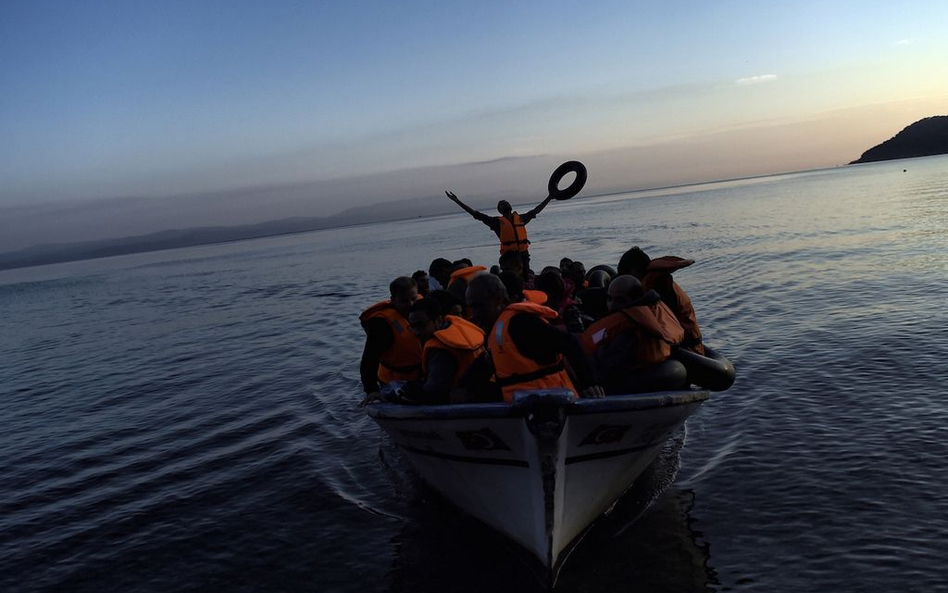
(542, 469)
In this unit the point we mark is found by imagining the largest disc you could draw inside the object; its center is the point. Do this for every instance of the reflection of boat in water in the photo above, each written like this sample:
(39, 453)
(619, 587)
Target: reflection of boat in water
(542, 469)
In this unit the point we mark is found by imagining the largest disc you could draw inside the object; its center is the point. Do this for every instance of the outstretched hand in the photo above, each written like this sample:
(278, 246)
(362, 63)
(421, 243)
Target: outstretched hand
(451, 196)
(371, 398)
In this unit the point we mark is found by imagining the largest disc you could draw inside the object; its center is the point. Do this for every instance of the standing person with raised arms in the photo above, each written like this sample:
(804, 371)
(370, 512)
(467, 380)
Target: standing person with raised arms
(511, 226)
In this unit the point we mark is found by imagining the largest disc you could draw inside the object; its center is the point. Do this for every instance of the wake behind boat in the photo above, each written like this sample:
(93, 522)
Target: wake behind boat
(542, 469)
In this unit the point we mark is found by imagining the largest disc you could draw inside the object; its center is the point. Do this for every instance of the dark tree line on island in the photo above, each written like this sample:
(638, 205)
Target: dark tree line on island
(926, 137)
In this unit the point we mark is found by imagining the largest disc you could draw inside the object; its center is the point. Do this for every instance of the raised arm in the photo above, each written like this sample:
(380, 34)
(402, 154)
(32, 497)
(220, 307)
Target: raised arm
(478, 215)
(532, 214)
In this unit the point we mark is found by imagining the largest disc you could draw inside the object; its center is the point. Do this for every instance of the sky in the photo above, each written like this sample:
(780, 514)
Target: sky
(230, 112)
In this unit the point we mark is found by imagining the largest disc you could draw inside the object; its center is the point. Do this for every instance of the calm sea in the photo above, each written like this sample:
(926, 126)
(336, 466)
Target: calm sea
(186, 420)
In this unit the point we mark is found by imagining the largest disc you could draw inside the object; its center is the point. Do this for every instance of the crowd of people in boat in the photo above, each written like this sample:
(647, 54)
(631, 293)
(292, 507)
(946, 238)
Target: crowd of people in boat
(460, 333)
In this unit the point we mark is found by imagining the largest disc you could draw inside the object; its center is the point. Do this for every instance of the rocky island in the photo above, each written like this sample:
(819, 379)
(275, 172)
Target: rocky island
(926, 137)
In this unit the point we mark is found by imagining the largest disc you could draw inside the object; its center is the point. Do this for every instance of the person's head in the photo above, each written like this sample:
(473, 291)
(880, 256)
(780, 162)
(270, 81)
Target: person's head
(577, 273)
(487, 297)
(510, 261)
(551, 283)
(440, 270)
(448, 303)
(404, 292)
(504, 208)
(513, 282)
(421, 279)
(622, 292)
(633, 262)
(565, 264)
(425, 318)
(551, 270)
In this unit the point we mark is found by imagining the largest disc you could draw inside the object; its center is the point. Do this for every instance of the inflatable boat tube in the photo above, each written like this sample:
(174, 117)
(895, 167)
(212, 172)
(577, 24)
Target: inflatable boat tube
(605, 268)
(575, 187)
(598, 279)
(712, 371)
(664, 376)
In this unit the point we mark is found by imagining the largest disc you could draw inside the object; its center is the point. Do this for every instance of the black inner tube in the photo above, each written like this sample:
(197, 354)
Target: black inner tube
(575, 187)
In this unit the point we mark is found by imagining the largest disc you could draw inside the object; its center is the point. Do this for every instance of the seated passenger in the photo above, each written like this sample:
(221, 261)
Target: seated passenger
(457, 285)
(421, 279)
(439, 272)
(631, 347)
(392, 352)
(569, 317)
(656, 274)
(528, 353)
(574, 280)
(449, 304)
(450, 347)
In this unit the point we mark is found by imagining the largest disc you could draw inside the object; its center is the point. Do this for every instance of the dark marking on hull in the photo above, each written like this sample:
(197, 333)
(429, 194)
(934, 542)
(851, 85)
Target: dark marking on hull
(467, 459)
(607, 454)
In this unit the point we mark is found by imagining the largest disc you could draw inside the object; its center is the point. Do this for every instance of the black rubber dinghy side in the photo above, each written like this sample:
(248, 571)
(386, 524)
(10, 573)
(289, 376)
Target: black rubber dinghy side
(602, 268)
(712, 371)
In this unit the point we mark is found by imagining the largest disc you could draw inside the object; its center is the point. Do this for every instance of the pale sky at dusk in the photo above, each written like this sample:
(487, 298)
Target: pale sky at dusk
(153, 99)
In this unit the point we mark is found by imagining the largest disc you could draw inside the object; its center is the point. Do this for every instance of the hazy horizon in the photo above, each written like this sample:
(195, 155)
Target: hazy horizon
(122, 119)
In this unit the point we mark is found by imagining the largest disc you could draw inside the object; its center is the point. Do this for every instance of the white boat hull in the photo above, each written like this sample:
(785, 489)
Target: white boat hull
(540, 470)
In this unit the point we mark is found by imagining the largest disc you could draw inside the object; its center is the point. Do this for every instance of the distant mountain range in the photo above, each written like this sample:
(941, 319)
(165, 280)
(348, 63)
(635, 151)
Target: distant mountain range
(51, 253)
(926, 137)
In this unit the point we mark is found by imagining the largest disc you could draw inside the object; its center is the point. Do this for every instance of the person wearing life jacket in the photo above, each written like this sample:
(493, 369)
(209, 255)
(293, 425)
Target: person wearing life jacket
(462, 274)
(451, 347)
(656, 274)
(528, 353)
(510, 227)
(631, 347)
(392, 352)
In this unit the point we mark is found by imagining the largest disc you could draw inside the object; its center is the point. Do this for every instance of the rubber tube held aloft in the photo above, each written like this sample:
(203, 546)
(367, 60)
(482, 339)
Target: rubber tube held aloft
(575, 187)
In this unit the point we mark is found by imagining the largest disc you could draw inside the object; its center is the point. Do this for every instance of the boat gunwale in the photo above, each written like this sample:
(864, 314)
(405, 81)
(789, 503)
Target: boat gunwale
(612, 403)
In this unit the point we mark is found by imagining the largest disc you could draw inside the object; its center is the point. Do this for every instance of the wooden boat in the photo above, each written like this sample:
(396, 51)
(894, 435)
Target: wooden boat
(542, 469)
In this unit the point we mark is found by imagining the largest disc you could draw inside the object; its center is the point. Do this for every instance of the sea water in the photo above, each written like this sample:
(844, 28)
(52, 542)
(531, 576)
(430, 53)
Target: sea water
(186, 419)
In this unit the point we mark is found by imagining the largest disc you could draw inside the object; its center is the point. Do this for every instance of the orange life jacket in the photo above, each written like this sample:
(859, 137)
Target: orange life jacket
(402, 361)
(656, 331)
(465, 274)
(535, 296)
(463, 339)
(512, 370)
(513, 235)
(658, 276)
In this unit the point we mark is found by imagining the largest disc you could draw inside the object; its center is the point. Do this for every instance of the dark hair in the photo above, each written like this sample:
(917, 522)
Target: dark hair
(552, 284)
(418, 275)
(464, 261)
(633, 262)
(438, 264)
(490, 285)
(428, 306)
(513, 282)
(444, 299)
(401, 284)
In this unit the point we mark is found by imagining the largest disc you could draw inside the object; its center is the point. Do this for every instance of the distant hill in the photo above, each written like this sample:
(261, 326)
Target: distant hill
(926, 137)
(51, 253)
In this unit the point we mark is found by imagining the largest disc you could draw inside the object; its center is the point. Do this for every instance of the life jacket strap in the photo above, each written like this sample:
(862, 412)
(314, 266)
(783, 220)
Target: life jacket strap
(523, 378)
(527, 241)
